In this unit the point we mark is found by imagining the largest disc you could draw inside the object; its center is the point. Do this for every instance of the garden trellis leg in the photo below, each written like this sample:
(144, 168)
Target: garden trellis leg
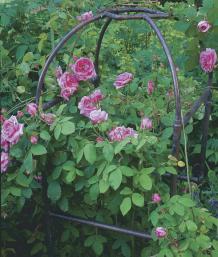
(114, 14)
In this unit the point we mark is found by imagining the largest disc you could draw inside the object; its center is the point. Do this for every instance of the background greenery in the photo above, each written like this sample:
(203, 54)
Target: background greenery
(29, 30)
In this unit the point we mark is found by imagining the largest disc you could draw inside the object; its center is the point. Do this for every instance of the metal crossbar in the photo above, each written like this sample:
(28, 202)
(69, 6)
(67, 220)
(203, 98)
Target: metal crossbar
(111, 14)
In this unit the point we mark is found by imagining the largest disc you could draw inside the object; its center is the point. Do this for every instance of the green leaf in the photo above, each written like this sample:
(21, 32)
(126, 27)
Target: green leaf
(90, 153)
(23, 180)
(15, 191)
(69, 166)
(121, 145)
(57, 131)
(138, 199)
(127, 171)
(126, 191)
(179, 209)
(54, 191)
(63, 204)
(145, 181)
(187, 202)
(115, 179)
(191, 226)
(70, 176)
(103, 186)
(108, 152)
(28, 162)
(45, 135)
(38, 149)
(154, 218)
(125, 206)
(68, 128)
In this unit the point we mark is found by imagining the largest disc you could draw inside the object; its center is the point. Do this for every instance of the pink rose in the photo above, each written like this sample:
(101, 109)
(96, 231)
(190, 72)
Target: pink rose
(120, 133)
(86, 106)
(32, 109)
(123, 79)
(68, 84)
(34, 139)
(204, 26)
(156, 198)
(208, 59)
(85, 16)
(96, 96)
(58, 72)
(99, 139)
(48, 118)
(4, 161)
(12, 130)
(160, 232)
(150, 87)
(98, 116)
(19, 114)
(83, 69)
(4, 143)
(146, 123)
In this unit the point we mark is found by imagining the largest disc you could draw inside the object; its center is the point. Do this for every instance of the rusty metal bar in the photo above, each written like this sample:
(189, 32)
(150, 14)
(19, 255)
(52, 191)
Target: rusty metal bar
(102, 225)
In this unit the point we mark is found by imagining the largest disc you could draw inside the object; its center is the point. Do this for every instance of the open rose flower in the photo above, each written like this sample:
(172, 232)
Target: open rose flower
(160, 232)
(98, 116)
(96, 96)
(34, 139)
(204, 26)
(86, 106)
(146, 123)
(4, 143)
(156, 198)
(12, 130)
(4, 161)
(32, 109)
(150, 87)
(120, 133)
(208, 59)
(48, 118)
(68, 84)
(85, 16)
(123, 79)
(83, 69)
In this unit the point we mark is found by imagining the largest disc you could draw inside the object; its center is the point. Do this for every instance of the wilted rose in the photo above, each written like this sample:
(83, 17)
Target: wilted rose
(98, 116)
(208, 59)
(204, 26)
(85, 16)
(12, 130)
(123, 79)
(32, 109)
(48, 118)
(83, 69)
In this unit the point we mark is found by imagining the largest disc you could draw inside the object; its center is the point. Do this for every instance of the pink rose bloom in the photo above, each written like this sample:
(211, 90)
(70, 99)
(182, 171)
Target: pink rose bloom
(68, 84)
(96, 96)
(83, 69)
(19, 114)
(86, 106)
(150, 87)
(48, 118)
(120, 133)
(85, 16)
(4, 143)
(98, 116)
(160, 232)
(99, 139)
(156, 198)
(123, 79)
(12, 130)
(32, 109)
(58, 72)
(146, 123)
(204, 26)
(208, 59)
(4, 161)
(34, 139)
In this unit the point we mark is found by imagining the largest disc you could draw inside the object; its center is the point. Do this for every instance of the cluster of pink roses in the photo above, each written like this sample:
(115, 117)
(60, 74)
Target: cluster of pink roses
(120, 133)
(82, 70)
(10, 135)
(208, 58)
(88, 107)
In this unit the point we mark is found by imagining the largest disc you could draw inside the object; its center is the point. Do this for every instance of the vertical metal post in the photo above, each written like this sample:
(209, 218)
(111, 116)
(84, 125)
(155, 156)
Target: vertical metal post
(205, 127)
